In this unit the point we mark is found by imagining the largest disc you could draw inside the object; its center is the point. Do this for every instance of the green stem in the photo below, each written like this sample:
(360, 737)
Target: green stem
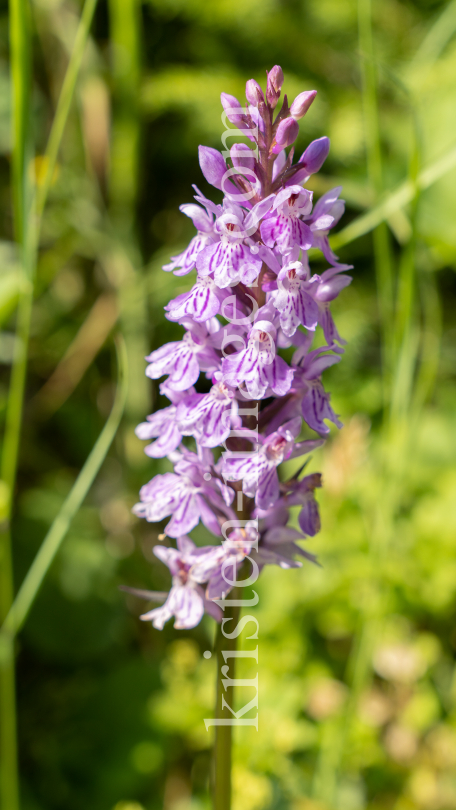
(223, 734)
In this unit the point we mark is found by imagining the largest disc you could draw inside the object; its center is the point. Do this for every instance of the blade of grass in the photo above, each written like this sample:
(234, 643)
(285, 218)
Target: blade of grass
(28, 207)
(78, 357)
(438, 36)
(406, 343)
(126, 33)
(382, 251)
(430, 340)
(395, 200)
(53, 540)
(29, 204)
(331, 752)
(26, 226)
(20, 60)
(63, 108)
(11, 287)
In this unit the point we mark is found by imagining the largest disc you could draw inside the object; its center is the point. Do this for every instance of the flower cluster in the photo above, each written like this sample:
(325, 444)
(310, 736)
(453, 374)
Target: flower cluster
(228, 386)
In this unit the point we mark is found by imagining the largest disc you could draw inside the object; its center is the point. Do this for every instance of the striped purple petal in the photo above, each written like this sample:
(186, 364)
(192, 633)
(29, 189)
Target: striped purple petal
(201, 303)
(207, 416)
(185, 262)
(162, 424)
(229, 263)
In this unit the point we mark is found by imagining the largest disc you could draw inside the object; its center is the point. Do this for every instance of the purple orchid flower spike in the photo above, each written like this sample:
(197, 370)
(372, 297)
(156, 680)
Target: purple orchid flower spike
(186, 599)
(254, 297)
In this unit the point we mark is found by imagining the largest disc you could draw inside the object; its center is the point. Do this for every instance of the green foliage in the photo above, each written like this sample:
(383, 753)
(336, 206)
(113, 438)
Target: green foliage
(356, 658)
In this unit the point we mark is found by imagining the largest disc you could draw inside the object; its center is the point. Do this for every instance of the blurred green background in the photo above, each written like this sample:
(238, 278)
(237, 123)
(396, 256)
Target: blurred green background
(357, 659)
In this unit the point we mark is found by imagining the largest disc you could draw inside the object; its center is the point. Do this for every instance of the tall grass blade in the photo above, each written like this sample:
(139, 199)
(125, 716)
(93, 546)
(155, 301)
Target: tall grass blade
(395, 200)
(126, 33)
(438, 36)
(20, 60)
(63, 107)
(53, 540)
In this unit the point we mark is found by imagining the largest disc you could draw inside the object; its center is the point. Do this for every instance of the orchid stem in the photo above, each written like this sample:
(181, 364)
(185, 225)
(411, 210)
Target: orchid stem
(223, 734)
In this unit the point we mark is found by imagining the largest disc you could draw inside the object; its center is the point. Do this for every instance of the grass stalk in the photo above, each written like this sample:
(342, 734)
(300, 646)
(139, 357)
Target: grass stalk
(63, 109)
(330, 757)
(430, 340)
(28, 591)
(27, 211)
(20, 47)
(395, 200)
(382, 252)
(125, 34)
(53, 540)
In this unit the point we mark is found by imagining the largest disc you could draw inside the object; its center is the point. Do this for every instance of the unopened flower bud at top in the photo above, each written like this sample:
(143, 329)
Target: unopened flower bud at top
(274, 86)
(253, 92)
(311, 160)
(233, 109)
(302, 103)
(286, 134)
(315, 155)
